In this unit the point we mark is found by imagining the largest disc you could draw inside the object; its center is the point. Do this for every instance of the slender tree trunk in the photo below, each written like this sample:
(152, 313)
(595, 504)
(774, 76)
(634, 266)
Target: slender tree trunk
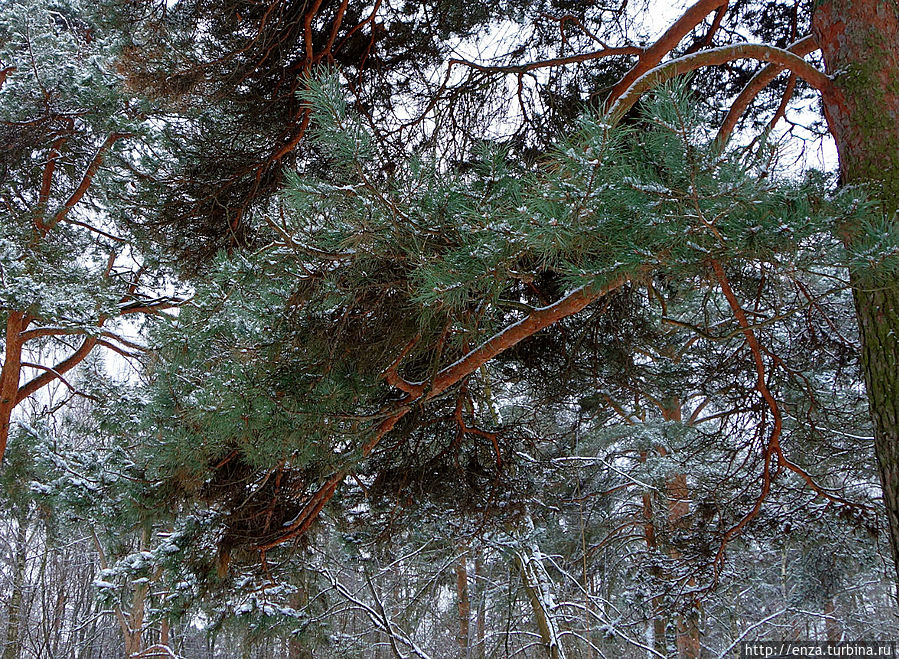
(831, 624)
(463, 600)
(134, 639)
(688, 637)
(295, 649)
(860, 43)
(659, 619)
(532, 579)
(9, 374)
(13, 647)
(539, 590)
(60, 560)
(687, 624)
(481, 586)
(131, 636)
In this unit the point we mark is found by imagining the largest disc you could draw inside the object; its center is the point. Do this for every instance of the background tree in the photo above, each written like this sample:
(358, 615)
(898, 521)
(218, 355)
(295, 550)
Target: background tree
(67, 271)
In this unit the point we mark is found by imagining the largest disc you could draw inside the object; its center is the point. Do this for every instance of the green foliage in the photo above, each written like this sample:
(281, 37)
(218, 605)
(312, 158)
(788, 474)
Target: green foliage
(61, 108)
(276, 367)
(378, 253)
(874, 252)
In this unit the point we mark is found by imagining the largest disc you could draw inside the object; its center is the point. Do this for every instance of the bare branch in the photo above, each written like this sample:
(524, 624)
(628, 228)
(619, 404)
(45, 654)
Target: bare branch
(759, 81)
(715, 57)
(86, 179)
(64, 366)
(557, 61)
(53, 372)
(665, 44)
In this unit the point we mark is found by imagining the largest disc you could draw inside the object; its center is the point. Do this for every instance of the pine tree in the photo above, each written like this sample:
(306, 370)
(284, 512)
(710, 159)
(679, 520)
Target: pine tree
(414, 285)
(438, 293)
(68, 268)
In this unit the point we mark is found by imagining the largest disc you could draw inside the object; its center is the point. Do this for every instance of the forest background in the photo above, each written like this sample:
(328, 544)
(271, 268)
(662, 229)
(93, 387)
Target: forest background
(389, 329)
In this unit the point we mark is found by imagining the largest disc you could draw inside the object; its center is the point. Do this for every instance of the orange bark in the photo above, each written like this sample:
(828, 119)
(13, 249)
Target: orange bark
(665, 44)
(858, 39)
(716, 57)
(419, 391)
(761, 80)
(10, 373)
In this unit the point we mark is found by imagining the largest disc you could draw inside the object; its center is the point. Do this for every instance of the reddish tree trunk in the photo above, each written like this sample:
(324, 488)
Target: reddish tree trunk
(687, 624)
(649, 533)
(9, 374)
(860, 43)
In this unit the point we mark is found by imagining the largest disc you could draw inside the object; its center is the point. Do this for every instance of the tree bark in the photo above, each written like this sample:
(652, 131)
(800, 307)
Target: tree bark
(299, 600)
(687, 624)
(479, 575)
(164, 631)
(831, 623)
(463, 601)
(860, 43)
(659, 619)
(539, 590)
(134, 638)
(59, 607)
(13, 647)
(9, 374)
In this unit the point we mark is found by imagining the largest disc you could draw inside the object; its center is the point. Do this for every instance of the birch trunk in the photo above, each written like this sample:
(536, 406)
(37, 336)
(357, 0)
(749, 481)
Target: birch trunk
(13, 648)
(539, 590)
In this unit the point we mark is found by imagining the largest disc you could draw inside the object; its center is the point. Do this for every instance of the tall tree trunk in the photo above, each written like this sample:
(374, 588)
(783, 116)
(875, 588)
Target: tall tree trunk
(687, 624)
(61, 604)
(164, 632)
(860, 43)
(539, 590)
(13, 647)
(463, 601)
(831, 623)
(299, 600)
(131, 635)
(481, 586)
(687, 637)
(9, 374)
(659, 619)
(134, 639)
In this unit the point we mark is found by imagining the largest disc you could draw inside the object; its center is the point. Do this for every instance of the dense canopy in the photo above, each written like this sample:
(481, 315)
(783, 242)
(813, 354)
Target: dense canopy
(513, 328)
